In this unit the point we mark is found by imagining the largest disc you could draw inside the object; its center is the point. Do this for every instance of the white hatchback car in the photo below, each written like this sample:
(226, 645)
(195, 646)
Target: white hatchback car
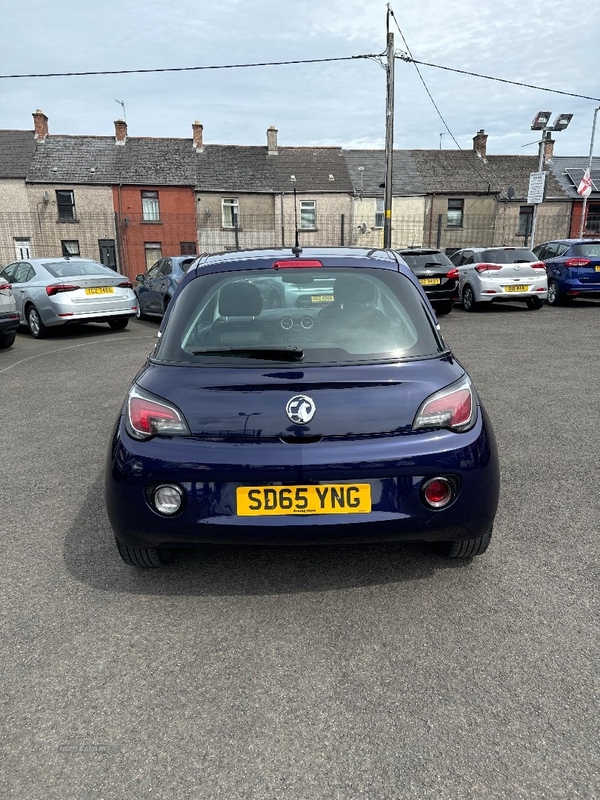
(499, 274)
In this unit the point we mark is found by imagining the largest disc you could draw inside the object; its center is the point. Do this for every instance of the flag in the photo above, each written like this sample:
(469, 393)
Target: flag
(585, 187)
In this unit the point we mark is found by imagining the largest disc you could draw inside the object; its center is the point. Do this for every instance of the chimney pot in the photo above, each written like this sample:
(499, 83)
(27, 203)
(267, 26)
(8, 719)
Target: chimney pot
(120, 131)
(197, 129)
(480, 143)
(272, 141)
(40, 124)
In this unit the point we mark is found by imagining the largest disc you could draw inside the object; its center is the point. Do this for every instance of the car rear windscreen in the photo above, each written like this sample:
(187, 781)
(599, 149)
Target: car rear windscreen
(422, 259)
(512, 255)
(319, 316)
(71, 269)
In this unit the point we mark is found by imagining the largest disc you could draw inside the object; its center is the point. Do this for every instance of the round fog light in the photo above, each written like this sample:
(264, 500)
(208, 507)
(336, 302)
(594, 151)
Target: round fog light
(437, 492)
(168, 499)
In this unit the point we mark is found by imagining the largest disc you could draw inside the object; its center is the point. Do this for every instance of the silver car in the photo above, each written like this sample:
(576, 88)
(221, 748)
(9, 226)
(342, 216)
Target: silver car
(62, 291)
(499, 274)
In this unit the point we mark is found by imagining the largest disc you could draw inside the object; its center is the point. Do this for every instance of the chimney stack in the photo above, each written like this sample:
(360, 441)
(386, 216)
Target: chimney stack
(272, 141)
(197, 129)
(40, 123)
(480, 143)
(548, 147)
(120, 131)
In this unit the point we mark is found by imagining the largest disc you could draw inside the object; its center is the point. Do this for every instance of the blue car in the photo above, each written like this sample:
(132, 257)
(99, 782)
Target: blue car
(341, 421)
(572, 267)
(156, 287)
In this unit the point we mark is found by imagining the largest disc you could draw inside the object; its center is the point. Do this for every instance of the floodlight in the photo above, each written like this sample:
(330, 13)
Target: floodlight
(561, 122)
(541, 120)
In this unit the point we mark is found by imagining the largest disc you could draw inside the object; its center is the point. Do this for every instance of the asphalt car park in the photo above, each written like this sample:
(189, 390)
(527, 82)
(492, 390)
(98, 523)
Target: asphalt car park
(333, 671)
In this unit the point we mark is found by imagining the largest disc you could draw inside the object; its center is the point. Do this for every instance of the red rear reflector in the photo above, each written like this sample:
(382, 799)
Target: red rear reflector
(538, 265)
(60, 287)
(487, 267)
(437, 492)
(453, 273)
(125, 285)
(577, 262)
(296, 263)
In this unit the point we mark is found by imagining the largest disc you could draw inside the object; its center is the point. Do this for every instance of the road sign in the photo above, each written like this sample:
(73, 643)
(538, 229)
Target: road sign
(537, 182)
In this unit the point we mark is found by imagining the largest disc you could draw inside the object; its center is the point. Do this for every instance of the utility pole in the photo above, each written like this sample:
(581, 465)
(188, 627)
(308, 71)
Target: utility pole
(389, 138)
(590, 156)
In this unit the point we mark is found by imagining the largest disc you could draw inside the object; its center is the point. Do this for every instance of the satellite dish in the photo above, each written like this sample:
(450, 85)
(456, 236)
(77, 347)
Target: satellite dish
(46, 197)
(510, 193)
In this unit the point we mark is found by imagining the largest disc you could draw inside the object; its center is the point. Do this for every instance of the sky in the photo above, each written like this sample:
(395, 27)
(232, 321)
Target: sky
(547, 43)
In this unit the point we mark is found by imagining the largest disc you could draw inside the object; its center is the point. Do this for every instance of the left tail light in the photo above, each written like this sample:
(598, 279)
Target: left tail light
(487, 267)
(148, 416)
(55, 288)
(453, 408)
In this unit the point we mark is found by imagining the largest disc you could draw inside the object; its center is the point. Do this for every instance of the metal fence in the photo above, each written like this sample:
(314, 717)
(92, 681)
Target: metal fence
(32, 235)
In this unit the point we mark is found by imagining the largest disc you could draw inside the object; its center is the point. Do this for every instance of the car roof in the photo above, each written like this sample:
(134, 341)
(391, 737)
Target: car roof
(328, 256)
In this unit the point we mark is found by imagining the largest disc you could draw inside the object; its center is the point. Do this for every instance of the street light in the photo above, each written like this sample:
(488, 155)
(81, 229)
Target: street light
(537, 180)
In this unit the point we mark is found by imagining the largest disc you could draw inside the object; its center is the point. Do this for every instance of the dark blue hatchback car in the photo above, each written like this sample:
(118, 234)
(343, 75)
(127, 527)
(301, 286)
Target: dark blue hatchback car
(341, 416)
(573, 269)
(156, 287)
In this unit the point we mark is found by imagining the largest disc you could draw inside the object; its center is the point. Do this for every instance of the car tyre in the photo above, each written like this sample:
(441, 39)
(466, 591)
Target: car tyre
(468, 299)
(7, 340)
(467, 548)
(555, 296)
(443, 308)
(139, 314)
(274, 300)
(119, 324)
(145, 557)
(34, 322)
(534, 303)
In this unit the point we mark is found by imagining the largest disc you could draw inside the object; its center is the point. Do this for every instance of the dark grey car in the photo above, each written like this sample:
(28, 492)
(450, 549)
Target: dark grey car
(156, 287)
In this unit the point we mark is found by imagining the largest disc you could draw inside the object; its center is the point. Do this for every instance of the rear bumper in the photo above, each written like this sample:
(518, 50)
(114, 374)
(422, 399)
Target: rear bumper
(395, 470)
(72, 318)
(9, 322)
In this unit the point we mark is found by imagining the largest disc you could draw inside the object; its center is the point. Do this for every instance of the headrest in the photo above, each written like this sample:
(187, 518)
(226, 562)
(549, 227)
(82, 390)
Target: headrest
(351, 289)
(240, 299)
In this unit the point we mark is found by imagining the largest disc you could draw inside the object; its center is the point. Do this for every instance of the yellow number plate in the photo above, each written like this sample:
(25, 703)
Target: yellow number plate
(100, 290)
(331, 498)
(516, 288)
(321, 298)
(430, 281)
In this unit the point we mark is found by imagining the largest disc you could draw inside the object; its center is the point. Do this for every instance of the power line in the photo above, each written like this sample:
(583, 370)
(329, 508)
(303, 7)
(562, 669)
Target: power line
(439, 113)
(189, 69)
(409, 58)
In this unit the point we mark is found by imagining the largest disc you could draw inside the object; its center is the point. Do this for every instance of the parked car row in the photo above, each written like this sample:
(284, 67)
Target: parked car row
(49, 292)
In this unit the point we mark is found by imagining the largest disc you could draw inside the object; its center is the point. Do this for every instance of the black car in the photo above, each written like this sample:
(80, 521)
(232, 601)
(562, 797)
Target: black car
(436, 273)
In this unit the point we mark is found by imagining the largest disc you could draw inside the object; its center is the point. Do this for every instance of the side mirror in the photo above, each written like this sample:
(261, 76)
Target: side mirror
(140, 278)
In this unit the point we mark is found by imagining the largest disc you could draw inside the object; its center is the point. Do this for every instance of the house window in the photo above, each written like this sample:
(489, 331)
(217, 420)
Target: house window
(150, 210)
(187, 248)
(456, 210)
(153, 252)
(70, 247)
(379, 212)
(308, 214)
(592, 222)
(65, 202)
(525, 220)
(22, 248)
(230, 212)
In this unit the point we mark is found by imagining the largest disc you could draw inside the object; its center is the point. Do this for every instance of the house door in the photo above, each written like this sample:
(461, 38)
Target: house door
(22, 248)
(108, 253)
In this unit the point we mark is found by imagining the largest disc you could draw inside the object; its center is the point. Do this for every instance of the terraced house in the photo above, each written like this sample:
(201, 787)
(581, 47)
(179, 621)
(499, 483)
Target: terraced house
(128, 201)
